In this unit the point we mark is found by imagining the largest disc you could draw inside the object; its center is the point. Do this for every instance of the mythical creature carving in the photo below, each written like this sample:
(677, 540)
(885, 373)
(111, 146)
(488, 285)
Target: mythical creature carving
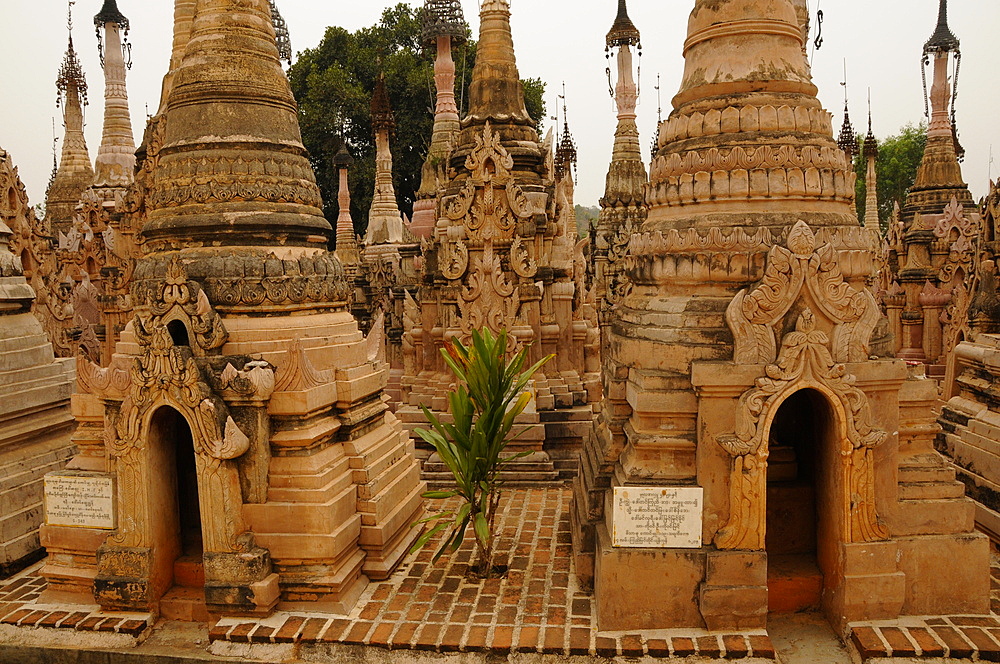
(753, 315)
(804, 362)
(620, 256)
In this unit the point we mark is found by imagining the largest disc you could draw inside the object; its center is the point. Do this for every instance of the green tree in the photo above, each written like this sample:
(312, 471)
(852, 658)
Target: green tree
(491, 393)
(333, 84)
(898, 159)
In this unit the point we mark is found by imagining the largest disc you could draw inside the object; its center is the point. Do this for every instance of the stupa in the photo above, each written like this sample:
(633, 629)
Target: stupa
(392, 254)
(241, 417)
(443, 28)
(75, 172)
(970, 416)
(502, 258)
(757, 448)
(623, 206)
(937, 235)
(35, 388)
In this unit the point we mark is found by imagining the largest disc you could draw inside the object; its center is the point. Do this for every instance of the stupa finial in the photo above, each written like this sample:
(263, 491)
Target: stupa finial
(848, 139)
(623, 31)
(566, 153)
(443, 18)
(71, 77)
(943, 39)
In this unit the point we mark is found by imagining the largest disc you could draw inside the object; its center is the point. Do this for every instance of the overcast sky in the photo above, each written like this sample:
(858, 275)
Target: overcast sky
(556, 40)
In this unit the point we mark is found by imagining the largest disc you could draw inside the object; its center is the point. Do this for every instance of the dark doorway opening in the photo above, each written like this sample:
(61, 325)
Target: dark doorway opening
(796, 497)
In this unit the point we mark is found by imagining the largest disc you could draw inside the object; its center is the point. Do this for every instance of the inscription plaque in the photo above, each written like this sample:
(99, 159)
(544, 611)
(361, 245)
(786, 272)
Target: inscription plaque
(80, 500)
(657, 517)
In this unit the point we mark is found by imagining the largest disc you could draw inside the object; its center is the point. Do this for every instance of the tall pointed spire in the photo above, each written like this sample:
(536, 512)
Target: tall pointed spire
(385, 223)
(443, 28)
(116, 157)
(870, 153)
(347, 243)
(623, 203)
(247, 136)
(939, 176)
(75, 172)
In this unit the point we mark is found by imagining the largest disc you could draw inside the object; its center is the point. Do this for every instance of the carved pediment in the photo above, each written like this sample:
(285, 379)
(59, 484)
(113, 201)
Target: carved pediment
(491, 203)
(755, 316)
(177, 298)
(166, 374)
(805, 362)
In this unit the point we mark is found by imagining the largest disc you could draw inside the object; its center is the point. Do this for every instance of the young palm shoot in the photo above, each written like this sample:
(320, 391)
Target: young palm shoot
(491, 393)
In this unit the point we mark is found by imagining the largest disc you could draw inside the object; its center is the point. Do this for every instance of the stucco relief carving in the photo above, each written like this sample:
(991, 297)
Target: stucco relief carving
(746, 119)
(491, 203)
(488, 300)
(804, 362)
(962, 233)
(175, 297)
(454, 260)
(277, 178)
(764, 156)
(753, 315)
(167, 375)
(521, 261)
(298, 372)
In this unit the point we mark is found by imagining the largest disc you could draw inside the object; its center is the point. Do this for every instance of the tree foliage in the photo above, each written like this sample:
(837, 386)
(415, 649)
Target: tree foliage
(896, 168)
(333, 85)
(491, 393)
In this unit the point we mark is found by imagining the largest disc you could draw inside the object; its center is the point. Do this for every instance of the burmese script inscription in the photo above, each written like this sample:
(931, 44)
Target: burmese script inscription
(657, 517)
(84, 501)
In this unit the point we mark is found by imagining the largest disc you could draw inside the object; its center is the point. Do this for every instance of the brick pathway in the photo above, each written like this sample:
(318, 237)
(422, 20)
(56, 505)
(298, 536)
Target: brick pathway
(538, 607)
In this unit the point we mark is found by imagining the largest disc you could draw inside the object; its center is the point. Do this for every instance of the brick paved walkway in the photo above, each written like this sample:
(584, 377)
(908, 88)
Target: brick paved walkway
(538, 607)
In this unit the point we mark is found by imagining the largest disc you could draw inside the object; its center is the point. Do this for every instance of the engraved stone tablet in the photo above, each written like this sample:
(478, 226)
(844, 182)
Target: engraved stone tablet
(657, 517)
(84, 500)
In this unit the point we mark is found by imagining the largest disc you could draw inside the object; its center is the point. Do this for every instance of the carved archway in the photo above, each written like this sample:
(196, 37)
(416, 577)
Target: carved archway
(804, 362)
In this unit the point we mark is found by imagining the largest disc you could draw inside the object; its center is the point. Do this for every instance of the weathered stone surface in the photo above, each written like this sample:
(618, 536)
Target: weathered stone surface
(236, 300)
(747, 357)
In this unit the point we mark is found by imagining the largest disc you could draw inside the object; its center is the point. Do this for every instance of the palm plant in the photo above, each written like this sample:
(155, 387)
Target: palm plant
(490, 395)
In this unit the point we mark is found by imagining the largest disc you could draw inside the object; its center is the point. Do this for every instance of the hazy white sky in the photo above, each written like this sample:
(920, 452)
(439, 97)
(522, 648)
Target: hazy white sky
(556, 40)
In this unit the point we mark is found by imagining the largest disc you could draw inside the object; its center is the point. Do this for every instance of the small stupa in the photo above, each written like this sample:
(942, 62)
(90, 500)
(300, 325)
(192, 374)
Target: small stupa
(35, 388)
(500, 257)
(939, 226)
(241, 417)
(762, 443)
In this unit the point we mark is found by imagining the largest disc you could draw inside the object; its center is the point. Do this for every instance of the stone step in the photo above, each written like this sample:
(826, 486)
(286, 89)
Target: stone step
(794, 583)
(189, 572)
(943, 516)
(930, 490)
(931, 470)
(186, 604)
